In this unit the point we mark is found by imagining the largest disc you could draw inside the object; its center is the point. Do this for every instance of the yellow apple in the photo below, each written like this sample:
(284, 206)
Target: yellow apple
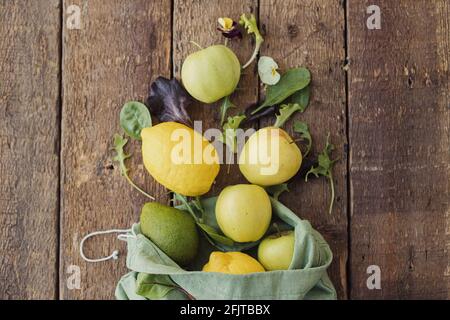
(270, 157)
(211, 74)
(276, 251)
(243, 212)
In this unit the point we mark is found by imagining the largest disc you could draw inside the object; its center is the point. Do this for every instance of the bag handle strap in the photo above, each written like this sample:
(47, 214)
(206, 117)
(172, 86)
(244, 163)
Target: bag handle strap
(124, 234)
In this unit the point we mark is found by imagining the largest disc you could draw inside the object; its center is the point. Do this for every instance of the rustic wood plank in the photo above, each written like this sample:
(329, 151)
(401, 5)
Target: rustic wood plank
(122, 46)
(311, 34)
(29, 148)
(197, 21)
(399, 134)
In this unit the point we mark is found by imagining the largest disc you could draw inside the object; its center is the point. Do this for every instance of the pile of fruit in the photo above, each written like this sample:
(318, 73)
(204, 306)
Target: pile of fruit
(243, 213)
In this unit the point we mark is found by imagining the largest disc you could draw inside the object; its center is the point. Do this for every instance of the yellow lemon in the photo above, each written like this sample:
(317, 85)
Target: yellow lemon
(270, 157)
(179, 158)
(243, 212)
(232, 263)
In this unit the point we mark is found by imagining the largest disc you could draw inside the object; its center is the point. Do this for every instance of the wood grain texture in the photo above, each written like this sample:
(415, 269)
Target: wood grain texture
(29, 149)
(196, 20)
(399, 134)
(121, 47)
(311, 34)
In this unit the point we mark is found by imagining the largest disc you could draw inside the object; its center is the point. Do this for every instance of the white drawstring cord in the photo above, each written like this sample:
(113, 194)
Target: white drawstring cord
(115, 255)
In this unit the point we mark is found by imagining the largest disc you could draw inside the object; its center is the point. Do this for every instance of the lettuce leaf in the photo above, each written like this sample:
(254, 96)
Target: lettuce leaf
(168, 100)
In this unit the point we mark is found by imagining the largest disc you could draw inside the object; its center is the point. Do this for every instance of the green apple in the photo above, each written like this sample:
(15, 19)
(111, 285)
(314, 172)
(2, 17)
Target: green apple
(243, 212)
(270, 157)
(276, 251)
(211, 74)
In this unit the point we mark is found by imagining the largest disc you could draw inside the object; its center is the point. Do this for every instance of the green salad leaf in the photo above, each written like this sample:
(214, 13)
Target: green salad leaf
(212, 234)
(197, 203)
(286, 111)
(251, 25)
(119, 144)
(324, 168)
(210, 229)
(153, 286)
(229, 136)
(291, 81)
(187, 206)
(134, 117)
(303, 129)
(301, 98)
(156, 287)
(277, 190)
(226, 104)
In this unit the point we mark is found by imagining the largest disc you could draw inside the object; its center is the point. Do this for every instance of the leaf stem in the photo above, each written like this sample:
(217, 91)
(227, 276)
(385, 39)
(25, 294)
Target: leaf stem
(199, 206)
(278, 123)
(251, 25)
(330, 176)
(197, 45)
(119, 144)
(190, 296)
(137, 188)
(254, 55)
(186, 203)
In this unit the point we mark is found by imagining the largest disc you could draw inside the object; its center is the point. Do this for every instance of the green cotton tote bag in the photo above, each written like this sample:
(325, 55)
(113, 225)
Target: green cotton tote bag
(155, 276)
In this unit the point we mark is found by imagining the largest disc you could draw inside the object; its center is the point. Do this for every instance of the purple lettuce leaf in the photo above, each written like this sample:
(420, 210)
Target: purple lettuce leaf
(168, 101)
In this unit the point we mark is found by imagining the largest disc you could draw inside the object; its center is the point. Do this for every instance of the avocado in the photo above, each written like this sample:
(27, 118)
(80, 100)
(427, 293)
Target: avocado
(174, 231)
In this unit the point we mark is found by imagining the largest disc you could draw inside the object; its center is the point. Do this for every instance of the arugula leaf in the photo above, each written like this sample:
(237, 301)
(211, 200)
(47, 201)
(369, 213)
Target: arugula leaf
(291, 81)
(229, 136)
(277, 190)
(297, 102)
(286, 111)
(119, 143)
(303, 129)
(153, 286)
(226, 104)
(251, 26)
(301, 98)
(324, 168)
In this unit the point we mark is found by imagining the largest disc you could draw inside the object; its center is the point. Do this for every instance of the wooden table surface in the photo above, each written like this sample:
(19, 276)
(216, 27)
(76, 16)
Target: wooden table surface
(383, 94)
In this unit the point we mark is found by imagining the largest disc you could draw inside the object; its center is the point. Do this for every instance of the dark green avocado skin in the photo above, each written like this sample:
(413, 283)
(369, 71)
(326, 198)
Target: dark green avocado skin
(174, 231)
